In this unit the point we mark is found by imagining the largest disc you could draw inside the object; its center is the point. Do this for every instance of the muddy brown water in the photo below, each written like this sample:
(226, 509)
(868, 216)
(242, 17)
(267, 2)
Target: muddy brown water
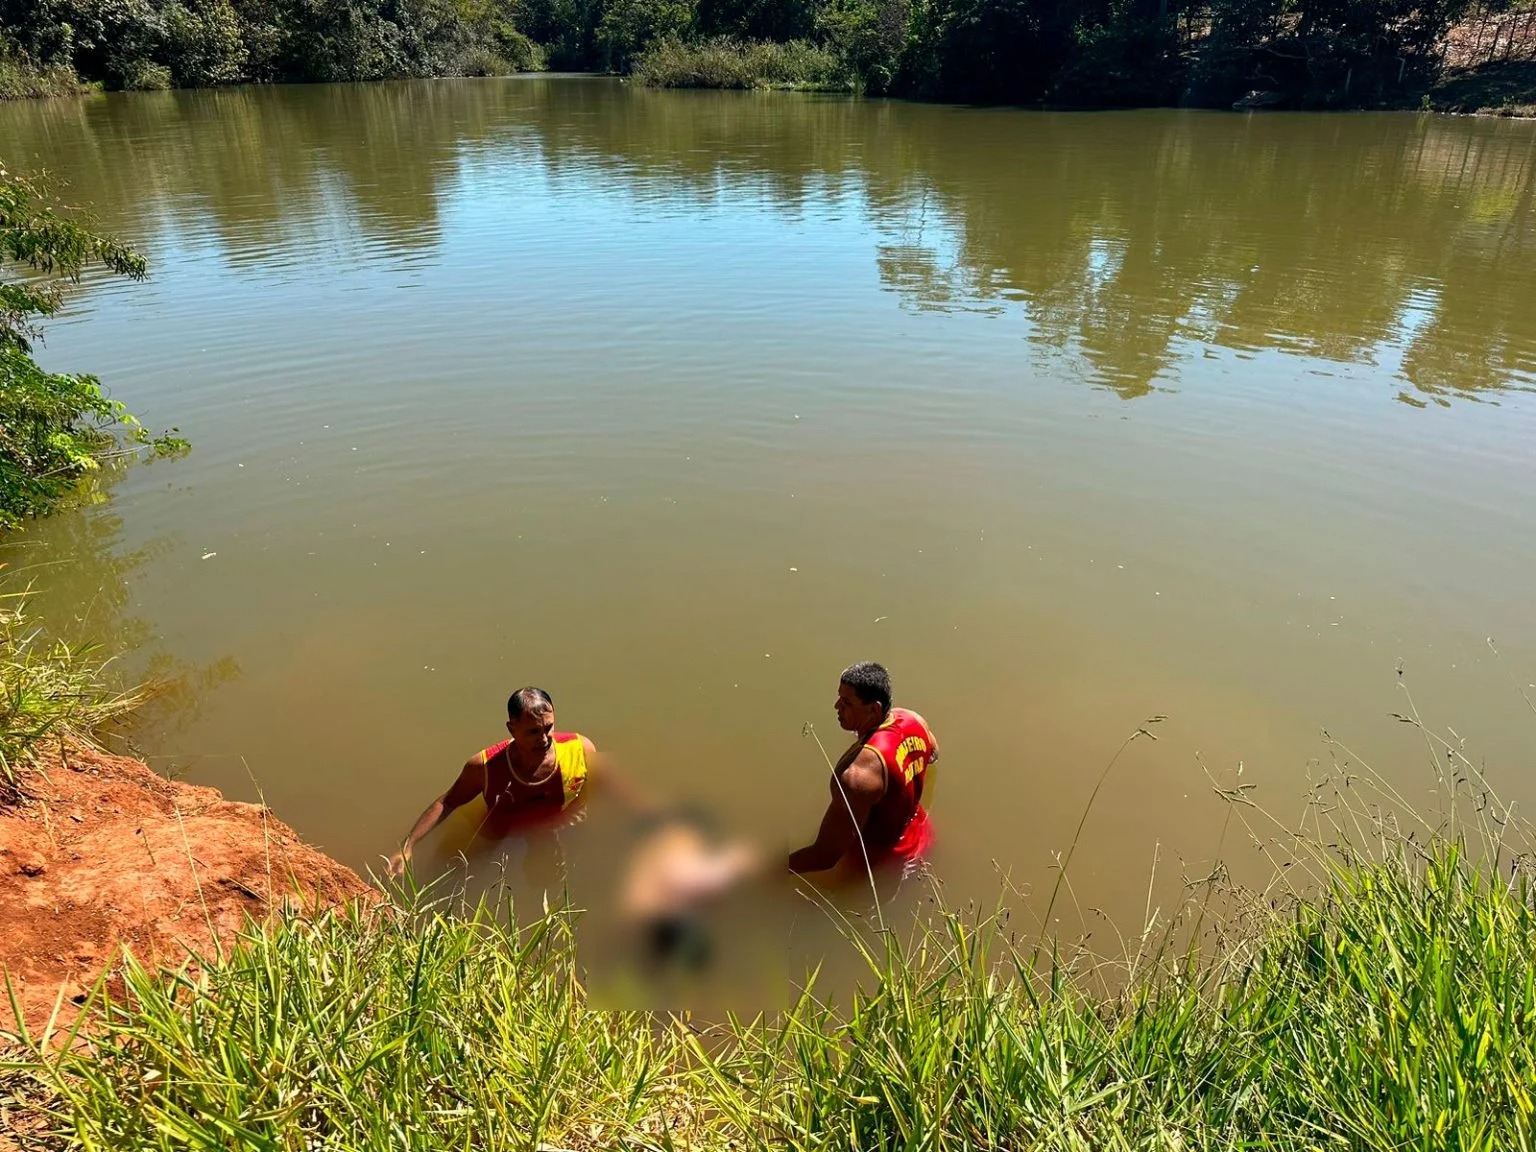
(676, 403)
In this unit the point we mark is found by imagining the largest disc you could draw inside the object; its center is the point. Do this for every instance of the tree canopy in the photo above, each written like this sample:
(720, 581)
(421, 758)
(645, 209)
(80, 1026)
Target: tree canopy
(55, 427)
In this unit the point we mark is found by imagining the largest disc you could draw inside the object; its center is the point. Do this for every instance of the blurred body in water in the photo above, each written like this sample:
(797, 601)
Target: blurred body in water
(677, 871)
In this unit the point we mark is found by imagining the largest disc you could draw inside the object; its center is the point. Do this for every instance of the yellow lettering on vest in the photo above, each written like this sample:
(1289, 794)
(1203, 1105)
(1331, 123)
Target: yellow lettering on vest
(915, 750)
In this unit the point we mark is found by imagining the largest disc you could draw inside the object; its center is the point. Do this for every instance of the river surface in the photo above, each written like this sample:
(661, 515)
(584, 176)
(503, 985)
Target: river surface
(677, 403)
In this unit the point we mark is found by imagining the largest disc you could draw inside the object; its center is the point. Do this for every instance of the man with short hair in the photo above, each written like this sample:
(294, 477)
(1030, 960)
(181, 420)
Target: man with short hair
(877, 786)
(529, 779)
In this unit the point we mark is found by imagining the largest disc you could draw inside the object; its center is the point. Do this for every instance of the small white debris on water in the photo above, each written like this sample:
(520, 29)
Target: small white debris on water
(794, 569)
(880, 618)
(209, 555)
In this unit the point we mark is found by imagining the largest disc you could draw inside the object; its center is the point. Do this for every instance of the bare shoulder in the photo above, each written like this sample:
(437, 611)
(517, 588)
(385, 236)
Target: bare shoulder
(471, 780)
(865, 774)
(587, 747)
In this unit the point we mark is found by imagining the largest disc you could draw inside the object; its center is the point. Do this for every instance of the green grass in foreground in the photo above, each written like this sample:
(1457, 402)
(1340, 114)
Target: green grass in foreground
(727, 63)
(1394, 1007)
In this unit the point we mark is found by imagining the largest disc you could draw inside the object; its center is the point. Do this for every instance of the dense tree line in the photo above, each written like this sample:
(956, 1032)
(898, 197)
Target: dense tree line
(1091, 52)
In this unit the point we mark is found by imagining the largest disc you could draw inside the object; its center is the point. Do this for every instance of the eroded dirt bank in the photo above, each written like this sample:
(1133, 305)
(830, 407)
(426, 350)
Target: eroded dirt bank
(108, 855)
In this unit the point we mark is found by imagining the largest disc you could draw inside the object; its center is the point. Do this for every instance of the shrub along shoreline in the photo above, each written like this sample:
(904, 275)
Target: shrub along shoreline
(1061, 53)
(57, 429)
(725, 63)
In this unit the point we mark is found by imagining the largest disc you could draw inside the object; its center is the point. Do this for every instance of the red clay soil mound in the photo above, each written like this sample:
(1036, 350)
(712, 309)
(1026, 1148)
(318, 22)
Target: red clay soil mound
(107, 854)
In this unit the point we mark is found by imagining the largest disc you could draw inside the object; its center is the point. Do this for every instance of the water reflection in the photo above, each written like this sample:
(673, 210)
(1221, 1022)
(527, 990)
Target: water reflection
(695, 397)
(80, 567)
(1130, 240)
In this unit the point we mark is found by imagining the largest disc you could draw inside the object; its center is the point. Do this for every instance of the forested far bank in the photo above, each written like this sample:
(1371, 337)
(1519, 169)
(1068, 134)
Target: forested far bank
(1210, 53)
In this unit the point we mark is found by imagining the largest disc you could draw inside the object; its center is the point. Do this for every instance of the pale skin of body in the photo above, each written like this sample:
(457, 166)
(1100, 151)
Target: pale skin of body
(858, 785)
(677, 870)
(529, 763)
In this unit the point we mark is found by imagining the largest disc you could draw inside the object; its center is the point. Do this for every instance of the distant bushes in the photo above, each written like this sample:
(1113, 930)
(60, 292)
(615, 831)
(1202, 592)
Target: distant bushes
(21, 79)
(1299, 53)
(632, 29)
(725, 63)
(146, 44)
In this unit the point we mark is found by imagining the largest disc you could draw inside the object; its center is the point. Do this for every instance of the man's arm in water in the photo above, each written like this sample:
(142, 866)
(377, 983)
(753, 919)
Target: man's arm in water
(855, 792)
(606, 776)
(471, 783)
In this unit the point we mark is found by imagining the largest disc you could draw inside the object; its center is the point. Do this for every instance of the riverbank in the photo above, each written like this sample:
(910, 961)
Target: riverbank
(188, 973)
(1507, 89)
(221, 983)
(1504, 89)
(1390, 1008)
(106, 855)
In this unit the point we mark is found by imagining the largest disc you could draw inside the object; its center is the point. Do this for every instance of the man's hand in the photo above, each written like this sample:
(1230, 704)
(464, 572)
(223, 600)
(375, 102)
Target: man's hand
(471, 783)
(397, 863)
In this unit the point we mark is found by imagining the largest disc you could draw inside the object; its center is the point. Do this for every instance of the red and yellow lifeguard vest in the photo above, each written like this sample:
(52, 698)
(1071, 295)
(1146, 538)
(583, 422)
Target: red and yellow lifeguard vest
(899, 827)
(549, 798)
